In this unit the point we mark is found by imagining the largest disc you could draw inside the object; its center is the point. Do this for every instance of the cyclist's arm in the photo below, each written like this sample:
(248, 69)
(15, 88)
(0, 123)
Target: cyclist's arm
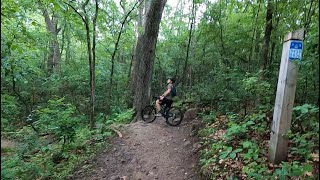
(166, 93)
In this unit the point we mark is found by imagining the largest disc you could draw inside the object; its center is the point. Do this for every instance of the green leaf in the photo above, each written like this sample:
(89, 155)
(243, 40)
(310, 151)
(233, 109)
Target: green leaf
(307, 167)
(13, 46)
(297, 172)
(229, 149)
(246, 144)
(223, 155)
(232, 155)
(250, 123)
(238, 150)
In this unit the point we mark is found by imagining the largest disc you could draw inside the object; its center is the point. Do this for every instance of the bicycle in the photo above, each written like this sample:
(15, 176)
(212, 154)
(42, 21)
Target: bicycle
(172, 114)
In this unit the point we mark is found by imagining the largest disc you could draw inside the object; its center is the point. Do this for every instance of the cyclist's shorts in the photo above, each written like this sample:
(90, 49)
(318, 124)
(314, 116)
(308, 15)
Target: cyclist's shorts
(166, 101)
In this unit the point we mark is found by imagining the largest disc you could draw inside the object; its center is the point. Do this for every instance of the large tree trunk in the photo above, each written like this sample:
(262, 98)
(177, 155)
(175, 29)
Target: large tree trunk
(53, 61)
(267, 35)
(145, 54)
(133, 61)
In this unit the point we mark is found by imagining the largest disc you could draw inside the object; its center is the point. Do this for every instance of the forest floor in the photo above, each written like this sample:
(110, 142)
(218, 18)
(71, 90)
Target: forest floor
(6, 143)
(147, 151)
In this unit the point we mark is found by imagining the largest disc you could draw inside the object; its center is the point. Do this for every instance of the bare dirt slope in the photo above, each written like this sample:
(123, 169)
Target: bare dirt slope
(147, 151)
(7, 143)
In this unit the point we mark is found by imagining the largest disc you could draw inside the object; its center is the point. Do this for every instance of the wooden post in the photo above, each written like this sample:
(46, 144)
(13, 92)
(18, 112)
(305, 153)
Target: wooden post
(282, 115)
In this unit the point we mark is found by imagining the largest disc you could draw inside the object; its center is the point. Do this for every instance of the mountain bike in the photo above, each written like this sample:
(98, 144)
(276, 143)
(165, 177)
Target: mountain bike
(172, 114)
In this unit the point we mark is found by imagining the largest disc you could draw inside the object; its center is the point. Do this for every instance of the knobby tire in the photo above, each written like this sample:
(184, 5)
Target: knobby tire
(174, 116)
(148, 114)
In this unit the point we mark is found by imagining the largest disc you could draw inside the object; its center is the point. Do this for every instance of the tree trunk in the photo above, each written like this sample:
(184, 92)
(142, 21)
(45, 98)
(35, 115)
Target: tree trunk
(190, 77)
(147, 4)
(308, 16)
(53, 62)
(133, 62)
(253, 39)
(184, 78)
(91, 54)
(90, 72)
(145, 54)
(93, 62)
(267, 35)
(273, 43)
(68, 46)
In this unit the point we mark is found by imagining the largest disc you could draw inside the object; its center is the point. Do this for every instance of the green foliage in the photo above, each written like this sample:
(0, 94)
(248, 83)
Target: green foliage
(304, 144)
(292, 169)
(206, 132)
(259, 120)
(307, 117)
(257, 89)
(122, 117)
(210, 118)
(252, 152)
(9, 111)
(243, 144)
(304, 109)
(58, 119)
(36, 159)
(238, 130)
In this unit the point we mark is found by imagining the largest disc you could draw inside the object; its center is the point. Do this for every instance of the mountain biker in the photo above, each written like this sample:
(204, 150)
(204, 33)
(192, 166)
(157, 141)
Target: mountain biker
(166, 97)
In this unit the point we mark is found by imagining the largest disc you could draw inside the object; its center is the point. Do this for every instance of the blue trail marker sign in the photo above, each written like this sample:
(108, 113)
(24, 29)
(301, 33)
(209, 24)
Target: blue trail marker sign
(295, 51)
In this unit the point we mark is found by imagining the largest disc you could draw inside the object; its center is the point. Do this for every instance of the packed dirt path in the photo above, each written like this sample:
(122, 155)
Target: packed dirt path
(147, 151)
(7, 143)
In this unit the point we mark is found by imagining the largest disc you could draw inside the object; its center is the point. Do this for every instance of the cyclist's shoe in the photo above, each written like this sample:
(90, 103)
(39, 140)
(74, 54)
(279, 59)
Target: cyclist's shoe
(158, 115)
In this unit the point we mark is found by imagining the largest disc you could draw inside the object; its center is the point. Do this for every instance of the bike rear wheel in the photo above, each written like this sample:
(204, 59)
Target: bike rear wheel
(148, 114)
(174, 116)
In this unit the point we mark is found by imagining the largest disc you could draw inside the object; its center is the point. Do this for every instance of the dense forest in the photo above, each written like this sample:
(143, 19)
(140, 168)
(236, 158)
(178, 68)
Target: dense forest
(70, 70)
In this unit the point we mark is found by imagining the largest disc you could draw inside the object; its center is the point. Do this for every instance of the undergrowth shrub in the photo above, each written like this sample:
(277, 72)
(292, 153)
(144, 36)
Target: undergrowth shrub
(237, 147)
(58, 119)
(9, 112)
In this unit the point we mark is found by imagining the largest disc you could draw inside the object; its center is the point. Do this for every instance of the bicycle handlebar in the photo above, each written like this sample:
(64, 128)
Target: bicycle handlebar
(155, 97)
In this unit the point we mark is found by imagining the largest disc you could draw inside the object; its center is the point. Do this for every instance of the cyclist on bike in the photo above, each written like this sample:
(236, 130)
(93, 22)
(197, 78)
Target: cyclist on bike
(166, 97)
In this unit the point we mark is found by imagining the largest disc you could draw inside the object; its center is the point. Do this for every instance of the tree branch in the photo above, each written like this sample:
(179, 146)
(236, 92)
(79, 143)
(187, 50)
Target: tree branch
(76, 12)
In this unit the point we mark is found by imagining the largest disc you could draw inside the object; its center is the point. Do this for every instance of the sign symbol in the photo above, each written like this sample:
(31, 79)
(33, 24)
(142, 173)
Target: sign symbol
(295, 51)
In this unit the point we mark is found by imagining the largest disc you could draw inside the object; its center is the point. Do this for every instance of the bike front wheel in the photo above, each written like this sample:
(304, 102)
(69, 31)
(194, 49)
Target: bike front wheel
(174, 116)
(148, 114)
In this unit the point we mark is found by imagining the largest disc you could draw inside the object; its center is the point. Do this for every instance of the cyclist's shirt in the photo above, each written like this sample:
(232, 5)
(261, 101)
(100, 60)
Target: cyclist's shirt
(170, 86)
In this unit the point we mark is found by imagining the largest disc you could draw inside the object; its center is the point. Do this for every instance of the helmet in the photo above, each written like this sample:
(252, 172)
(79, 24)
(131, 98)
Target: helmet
(172, 79)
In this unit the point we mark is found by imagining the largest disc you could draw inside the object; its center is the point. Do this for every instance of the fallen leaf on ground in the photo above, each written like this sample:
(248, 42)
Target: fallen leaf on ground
(308, 174)
(315, 157)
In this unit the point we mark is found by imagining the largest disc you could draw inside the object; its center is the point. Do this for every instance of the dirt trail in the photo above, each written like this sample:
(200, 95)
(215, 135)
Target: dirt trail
(7, 143)
(147, 151)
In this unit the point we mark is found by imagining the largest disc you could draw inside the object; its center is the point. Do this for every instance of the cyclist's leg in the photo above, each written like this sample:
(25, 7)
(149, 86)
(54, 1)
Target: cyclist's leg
(158, 105)
(169, 104)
